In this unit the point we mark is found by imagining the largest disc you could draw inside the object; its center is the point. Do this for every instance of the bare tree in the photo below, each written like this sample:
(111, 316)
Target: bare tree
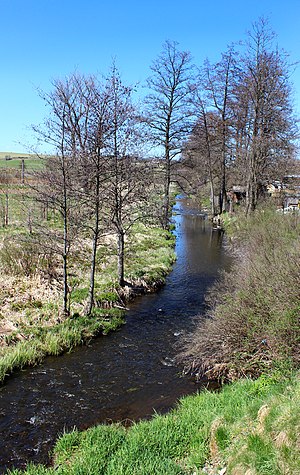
(91, 129)
(202, 152)
(127, 187)
(218, 81)
(167, 111)
(95, 181)
(249, 105)
(57, 183)
(264, 97)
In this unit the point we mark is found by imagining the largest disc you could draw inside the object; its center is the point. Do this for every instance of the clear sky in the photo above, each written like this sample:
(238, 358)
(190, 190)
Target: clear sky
(41, 40)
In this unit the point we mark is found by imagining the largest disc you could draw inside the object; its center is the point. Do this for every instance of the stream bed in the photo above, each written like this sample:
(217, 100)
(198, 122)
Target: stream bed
(125, 376)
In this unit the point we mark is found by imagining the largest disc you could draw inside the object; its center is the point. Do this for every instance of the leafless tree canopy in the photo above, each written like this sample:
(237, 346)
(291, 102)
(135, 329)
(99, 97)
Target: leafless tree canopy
(167, 109)
(96, 181)
(245, 131)
(230, 123)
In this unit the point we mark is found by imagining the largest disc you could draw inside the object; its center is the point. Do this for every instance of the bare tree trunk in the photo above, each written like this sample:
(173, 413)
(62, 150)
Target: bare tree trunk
(44, 210)
(22, 171)
(212, 197)
(166, 204)
(90, 303)
(222, 201)
(251, 190)
(251, 194)
(65, 240)
(65, 268)
(6, 210)
(121, 280)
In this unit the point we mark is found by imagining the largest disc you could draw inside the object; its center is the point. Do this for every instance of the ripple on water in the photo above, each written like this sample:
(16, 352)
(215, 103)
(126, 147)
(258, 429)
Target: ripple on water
(124, 376)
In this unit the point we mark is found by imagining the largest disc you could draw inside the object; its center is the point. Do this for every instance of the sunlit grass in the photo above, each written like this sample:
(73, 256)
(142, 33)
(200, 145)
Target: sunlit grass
(14, 160)
(42, 341)
(31, 307)
(16, 163)
(249, 425)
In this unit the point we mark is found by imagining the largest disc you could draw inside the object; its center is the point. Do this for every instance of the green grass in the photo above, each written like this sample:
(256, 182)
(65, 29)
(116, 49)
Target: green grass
(20, 207)
(44, 341)
(13, 160)
(150, 255)
(16, 163)
(249, 425)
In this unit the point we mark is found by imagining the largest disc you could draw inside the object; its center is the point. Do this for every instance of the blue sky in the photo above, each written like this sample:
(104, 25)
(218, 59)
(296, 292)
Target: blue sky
(41, 40)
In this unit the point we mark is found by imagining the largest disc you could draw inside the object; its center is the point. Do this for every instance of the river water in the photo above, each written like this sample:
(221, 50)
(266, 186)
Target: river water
(125, 376)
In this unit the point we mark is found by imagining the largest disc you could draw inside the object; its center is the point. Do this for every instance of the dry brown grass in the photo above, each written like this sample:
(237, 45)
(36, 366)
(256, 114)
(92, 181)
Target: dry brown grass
(24, 302)
(253, 321)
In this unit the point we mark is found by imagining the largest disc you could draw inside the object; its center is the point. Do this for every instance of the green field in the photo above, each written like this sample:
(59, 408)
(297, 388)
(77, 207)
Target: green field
(14, 160)
(3, 155)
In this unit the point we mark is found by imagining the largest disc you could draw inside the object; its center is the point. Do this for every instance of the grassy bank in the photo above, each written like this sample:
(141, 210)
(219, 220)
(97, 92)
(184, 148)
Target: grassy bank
(250, 427)
(40, 341)
(32, 325)
(254, 309)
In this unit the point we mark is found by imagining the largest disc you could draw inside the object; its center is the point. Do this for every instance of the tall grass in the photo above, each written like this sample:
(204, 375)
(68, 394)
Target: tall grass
(254, 317)
(250, 425)
(35, 315)
(42, 342)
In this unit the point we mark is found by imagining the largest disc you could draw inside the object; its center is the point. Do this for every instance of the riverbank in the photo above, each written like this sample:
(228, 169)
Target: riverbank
(32, 325)
(127, 376)
(254, 309)
(248, 428)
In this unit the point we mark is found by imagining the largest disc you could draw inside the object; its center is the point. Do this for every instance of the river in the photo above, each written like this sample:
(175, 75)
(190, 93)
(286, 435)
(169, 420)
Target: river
(125, 376)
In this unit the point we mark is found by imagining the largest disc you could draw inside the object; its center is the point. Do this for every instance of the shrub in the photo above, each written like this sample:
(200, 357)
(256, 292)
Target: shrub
(254, 309)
